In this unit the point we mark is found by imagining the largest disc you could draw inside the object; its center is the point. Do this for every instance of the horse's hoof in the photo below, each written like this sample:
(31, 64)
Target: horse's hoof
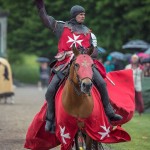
(116, 117)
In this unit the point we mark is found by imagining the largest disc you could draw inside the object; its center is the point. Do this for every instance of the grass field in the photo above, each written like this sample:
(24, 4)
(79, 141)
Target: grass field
(146, 92)
(139, 130)
(28, 71)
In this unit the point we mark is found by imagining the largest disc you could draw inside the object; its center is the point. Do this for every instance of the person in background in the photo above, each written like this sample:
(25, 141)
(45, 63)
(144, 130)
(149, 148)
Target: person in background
(44, 75)
(146, 67)
(137, 77)
(118, 64)
(108, 64)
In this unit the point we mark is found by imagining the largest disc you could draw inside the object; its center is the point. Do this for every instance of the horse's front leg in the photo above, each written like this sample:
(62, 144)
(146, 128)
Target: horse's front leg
(95, 144)
(76, 141)
(88, 143)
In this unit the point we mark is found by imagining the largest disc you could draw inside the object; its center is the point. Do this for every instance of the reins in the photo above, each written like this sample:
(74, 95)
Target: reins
(75, 88)
(72, 82)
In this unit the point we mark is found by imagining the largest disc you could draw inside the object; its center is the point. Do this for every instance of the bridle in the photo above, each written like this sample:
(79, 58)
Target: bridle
(75, 88)
(78, 92)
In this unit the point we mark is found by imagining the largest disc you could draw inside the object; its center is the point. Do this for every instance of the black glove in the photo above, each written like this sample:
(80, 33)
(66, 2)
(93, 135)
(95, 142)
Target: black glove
(39, 3)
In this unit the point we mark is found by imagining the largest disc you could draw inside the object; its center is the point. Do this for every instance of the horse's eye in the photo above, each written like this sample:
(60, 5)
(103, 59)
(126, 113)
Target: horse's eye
(76, 66)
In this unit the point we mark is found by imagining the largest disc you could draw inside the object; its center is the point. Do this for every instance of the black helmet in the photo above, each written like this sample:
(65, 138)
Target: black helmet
(75, 10)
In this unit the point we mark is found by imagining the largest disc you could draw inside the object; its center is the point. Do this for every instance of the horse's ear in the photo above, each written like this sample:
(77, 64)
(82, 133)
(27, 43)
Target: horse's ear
(90, 50)
(75, 50)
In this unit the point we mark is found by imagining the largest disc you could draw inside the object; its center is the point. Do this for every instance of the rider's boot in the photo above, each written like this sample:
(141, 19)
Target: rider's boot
(50, 118)
(50, 98)
(101, 86)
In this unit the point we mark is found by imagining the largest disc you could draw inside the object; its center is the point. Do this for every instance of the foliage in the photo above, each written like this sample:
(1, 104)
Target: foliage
(114, 23)
(27, 71)
(138, 128)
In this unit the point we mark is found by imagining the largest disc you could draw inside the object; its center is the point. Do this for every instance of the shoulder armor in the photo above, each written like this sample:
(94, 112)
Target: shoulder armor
(58, 21)
(94, 40)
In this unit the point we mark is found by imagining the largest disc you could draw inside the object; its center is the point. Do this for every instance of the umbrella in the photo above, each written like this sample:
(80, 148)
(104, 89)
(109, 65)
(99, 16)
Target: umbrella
(43, 59)
(127, 56)
(143, 55)
(101, 50)
(147, 51)
(117, 55)
(146, 60)
(136, 44)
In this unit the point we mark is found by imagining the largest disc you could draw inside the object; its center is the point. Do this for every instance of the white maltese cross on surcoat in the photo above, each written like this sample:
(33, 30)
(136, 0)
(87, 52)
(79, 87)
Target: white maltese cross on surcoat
(75, 40)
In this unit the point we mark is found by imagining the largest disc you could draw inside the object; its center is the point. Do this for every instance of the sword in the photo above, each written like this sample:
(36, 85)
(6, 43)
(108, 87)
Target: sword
(110, 80)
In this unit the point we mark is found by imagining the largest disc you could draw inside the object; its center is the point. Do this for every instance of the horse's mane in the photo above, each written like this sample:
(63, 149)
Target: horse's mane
(82, 50)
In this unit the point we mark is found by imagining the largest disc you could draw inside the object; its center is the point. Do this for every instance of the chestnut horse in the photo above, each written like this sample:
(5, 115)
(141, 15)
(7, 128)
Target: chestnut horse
(76, 97)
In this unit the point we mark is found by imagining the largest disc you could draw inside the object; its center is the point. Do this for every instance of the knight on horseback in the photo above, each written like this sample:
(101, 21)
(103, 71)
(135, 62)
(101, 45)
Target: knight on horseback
(71, 33)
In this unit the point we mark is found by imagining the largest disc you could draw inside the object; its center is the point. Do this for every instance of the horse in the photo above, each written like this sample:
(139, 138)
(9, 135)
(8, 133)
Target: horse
(76, 96)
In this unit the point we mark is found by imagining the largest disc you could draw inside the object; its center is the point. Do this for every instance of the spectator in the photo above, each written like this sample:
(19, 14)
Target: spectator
(146, 67)
(109, 66)
(44, 75)
(137, 77)
(119, 65)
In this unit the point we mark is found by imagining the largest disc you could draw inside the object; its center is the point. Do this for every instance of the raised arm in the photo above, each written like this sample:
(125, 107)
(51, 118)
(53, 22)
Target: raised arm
(48, 21)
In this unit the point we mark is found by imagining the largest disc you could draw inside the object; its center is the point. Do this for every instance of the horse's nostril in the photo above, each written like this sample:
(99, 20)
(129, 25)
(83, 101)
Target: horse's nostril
(84, 84)
(87, 85)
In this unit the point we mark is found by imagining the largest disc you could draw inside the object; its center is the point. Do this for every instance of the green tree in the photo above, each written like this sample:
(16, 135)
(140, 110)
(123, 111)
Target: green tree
(113, 22)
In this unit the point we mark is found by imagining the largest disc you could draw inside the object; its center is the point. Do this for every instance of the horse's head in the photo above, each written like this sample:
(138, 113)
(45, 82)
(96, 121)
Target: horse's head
(81, 69)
